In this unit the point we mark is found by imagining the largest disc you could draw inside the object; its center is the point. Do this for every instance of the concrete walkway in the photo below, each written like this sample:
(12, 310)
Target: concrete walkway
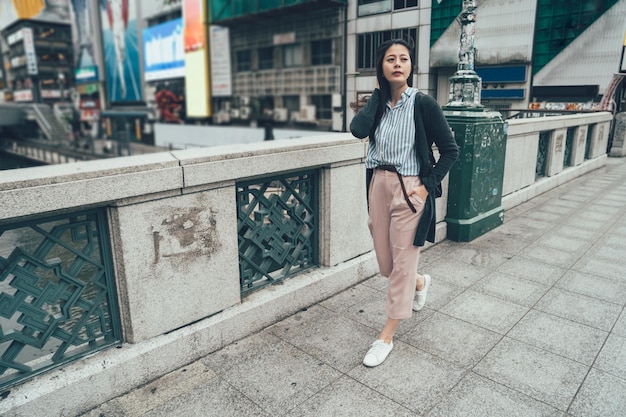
(527, 320)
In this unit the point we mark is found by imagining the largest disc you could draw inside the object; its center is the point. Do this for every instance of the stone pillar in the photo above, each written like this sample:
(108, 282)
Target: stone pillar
(618, 147)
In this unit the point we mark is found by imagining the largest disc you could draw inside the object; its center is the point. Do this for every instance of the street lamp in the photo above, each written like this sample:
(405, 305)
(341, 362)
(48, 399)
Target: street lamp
(465, 84)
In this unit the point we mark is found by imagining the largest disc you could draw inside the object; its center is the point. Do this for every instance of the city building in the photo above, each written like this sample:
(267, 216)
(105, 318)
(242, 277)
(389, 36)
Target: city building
(288, 59)
(40, 61)
(299, 63)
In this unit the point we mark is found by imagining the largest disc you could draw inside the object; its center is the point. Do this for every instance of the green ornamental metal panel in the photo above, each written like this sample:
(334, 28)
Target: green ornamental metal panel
(57, 294)
(277, 228)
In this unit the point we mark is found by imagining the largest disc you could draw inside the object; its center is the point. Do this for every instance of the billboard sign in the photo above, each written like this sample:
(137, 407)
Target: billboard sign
(197, 85)
(163, 51)
(121, 51)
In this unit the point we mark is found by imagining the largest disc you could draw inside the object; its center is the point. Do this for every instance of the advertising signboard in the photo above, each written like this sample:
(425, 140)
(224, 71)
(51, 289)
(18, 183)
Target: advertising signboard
(197, 94)
(163, 51)
(221, 82)
(121, 50)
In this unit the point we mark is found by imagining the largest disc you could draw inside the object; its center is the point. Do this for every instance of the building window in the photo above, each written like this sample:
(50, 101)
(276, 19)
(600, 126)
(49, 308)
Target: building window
(292, 103)
(322, 52)
(323, 106)
(292, 55)
(244, 63)
(404, 4)
(367, 7)
(266, 58)
(369, 42)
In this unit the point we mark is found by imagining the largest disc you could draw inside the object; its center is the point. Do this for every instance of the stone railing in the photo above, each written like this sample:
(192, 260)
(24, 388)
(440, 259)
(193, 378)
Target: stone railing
(573, 145)
(172, 222)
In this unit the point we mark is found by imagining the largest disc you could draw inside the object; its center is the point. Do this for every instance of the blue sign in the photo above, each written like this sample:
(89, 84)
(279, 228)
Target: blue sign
(164, 51)
(86, 74)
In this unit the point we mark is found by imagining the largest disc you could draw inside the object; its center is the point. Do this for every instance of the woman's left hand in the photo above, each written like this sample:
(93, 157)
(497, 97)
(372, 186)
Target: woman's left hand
(420, 191)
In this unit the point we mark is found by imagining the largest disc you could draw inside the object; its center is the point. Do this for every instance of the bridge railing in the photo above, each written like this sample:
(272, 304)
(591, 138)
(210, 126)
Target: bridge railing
(173, 255)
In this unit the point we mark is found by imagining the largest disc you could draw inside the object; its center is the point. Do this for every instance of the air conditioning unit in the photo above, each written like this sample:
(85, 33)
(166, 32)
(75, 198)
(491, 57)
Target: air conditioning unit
(222, 117)
(307, 114)
(280, 114)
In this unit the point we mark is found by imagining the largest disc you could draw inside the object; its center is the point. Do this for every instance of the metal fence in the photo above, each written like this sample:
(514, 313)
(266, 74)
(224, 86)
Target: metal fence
(277, 228)
(57, 293)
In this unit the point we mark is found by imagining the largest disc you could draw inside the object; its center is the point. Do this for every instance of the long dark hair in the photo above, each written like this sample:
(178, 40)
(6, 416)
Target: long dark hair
(383, 84)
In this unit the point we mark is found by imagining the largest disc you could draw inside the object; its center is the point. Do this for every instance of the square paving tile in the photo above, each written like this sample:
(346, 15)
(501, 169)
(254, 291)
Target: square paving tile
(535, 372)
(215, 399)
(612, 358)
(620, 325)
(602, 395)
(509, 241)
(168, 387)
(477, 257)
(532, 270)
(456, 341)
(591, 263)
(550, 255)
(543, 216)
(348, 398)
(582, 309)
(603, 288)
(585, 224)
(410, 377)
(377, 282)
(272, 373)
(588, 234)
(611, 253)
(556, 241)
(458, 273)
(485, 311)
(510, 288)
(331, 338)
(566, 338)
(476, 396)
(348, 299)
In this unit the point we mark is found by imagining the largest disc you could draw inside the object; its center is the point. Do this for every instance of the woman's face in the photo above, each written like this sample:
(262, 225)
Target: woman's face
(397, 65)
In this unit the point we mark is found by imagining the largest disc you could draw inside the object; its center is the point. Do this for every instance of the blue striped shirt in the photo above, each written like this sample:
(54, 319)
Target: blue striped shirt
(394, 142)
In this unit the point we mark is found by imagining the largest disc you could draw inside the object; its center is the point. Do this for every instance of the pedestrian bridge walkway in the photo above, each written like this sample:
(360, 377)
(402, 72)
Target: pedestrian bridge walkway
(527, 320)
(117, 272)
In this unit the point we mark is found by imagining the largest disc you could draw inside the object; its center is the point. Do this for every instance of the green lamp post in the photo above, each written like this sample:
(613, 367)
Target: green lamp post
(475, 181)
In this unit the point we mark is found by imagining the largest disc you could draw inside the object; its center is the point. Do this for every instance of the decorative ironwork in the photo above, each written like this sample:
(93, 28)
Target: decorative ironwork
(542, 154)
(277, 228)
(57, 299)
(569, 144)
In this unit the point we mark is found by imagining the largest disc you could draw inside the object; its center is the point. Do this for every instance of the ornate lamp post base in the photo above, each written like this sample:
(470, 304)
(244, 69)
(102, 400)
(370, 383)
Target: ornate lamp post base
(475, 187)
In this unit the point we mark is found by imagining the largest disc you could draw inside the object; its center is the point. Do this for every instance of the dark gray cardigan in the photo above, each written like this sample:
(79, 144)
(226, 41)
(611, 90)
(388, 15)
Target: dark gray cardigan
(431, 127)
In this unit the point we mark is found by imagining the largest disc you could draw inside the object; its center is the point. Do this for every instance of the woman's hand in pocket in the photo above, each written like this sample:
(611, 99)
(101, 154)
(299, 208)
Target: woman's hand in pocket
(420, 192)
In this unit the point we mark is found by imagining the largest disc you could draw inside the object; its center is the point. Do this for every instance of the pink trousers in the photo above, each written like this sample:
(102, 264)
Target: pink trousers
(392, 225)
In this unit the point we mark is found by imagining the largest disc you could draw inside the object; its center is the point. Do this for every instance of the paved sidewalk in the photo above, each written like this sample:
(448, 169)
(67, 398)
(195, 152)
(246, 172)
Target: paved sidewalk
(527, 320)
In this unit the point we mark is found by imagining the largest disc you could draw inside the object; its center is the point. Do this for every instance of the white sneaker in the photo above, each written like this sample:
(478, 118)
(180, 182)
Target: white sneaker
(420, 296)
(379, 350)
